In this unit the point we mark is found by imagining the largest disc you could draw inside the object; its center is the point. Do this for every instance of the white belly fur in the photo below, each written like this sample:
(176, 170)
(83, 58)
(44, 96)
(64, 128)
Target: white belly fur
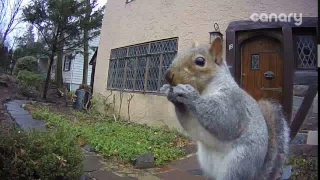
(214, 156)
(216, 164)
(198, 133)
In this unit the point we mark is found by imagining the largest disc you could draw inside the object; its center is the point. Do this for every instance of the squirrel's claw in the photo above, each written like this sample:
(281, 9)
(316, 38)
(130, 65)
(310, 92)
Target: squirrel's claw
(182, 93)
(185, 93)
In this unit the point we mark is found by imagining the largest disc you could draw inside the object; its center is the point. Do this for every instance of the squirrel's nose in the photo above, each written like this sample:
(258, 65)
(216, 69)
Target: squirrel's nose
(168, 76)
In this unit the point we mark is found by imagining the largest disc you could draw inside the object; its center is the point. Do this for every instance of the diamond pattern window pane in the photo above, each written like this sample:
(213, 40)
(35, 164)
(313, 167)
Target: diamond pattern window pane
(118, 53)
(156, 47)
(141, 70)
(255, 61)
(167, 60)
(112, 73)
(170, 45)
(153, 73)
(138, 50)
(164, 46)
(130, 73)
(120, 73)
(127, 67)
(306, 52)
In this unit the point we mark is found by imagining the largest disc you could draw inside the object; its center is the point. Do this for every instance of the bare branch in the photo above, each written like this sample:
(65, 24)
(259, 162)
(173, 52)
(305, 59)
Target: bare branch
(14, 12)
(3, 11)
(109, 95)
(43, 35)
(129, 101)
(120, 99)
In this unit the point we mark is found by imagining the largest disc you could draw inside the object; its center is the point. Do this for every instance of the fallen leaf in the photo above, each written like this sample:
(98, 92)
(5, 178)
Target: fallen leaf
(22, 152)
(38, 144)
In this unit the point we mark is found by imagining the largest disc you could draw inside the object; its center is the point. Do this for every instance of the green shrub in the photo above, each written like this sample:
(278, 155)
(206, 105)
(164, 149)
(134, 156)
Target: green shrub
(39, 155)
(13, 162)
(28, 63)
(30, 80)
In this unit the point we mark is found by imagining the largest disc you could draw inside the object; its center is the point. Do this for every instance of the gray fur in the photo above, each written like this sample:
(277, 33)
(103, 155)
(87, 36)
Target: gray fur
(277, 155)
(231, 116)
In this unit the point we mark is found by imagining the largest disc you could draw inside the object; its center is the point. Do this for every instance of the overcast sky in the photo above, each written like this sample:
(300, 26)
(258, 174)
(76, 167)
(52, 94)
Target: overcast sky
(22, 27)
(102, 2)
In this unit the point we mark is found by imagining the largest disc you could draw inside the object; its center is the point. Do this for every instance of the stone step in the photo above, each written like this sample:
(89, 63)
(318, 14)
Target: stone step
(301, 138)
(304, 150)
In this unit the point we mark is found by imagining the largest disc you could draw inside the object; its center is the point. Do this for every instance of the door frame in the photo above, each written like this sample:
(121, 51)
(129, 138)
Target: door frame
(271, 35)
(233, 57)
(286, 41)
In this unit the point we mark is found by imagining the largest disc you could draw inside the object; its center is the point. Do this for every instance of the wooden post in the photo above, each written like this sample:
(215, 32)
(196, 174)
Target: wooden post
(303, 111)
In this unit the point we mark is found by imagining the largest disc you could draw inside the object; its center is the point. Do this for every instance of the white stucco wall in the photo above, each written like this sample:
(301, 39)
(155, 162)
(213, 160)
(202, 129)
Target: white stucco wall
(148, 20)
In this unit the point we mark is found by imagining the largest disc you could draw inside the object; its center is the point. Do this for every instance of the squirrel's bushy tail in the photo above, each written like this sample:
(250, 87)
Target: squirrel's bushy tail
(278, 130)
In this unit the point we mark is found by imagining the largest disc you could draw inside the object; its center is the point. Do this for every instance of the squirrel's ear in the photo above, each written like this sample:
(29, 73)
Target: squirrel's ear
(195, 44)
(216, 50)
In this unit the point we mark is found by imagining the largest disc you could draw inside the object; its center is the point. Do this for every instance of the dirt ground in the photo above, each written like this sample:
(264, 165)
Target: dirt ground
(7, 93)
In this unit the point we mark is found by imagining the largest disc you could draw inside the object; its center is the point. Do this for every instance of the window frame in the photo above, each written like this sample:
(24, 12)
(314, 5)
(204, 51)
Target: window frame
(306, 31)
(146, 69)
(66, 58)
(256, 69)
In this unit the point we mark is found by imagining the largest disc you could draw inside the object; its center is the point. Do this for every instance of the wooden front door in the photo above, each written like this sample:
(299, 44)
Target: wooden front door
(262, 68)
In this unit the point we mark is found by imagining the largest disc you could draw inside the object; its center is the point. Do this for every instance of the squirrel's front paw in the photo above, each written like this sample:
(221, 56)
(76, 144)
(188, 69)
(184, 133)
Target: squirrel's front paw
(184, 93)
(165, 89)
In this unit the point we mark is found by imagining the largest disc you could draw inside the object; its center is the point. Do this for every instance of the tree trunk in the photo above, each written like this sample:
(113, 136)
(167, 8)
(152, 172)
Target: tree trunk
(59, 80)
(85, 57)
(48, 75)
(86, 44)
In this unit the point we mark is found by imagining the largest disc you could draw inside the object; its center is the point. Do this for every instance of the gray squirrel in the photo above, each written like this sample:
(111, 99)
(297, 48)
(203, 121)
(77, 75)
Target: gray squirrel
(238, 138)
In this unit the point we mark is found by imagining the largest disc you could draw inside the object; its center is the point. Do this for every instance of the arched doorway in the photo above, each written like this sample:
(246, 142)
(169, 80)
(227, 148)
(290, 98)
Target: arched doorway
(262, 68)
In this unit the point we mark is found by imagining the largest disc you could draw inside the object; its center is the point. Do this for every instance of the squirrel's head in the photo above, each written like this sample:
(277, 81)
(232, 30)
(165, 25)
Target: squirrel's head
(197, 66)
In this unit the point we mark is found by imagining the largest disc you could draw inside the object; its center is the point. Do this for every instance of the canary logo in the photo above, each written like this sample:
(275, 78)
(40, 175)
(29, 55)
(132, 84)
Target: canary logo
(273, 17)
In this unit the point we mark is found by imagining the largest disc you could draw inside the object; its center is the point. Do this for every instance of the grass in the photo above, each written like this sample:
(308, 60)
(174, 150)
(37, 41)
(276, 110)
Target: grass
(117, 139)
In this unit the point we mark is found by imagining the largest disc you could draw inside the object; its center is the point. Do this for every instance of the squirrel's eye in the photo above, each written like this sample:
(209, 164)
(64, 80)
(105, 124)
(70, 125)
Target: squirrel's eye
(200, 61)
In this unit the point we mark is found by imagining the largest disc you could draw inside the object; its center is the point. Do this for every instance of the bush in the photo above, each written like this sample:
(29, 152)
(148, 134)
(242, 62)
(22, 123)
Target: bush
(11, 167)
(8, 78)
(39, 155)
(28, 63)
(29, 80)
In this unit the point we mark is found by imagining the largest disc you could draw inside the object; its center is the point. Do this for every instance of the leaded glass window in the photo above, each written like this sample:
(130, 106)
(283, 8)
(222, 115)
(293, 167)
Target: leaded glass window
(153, 72)
(141, 67)
(167, 60)
(120, 73)
(306, 57)
(255, 61)
(112, 73)
(141, 71)
(130, 69)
